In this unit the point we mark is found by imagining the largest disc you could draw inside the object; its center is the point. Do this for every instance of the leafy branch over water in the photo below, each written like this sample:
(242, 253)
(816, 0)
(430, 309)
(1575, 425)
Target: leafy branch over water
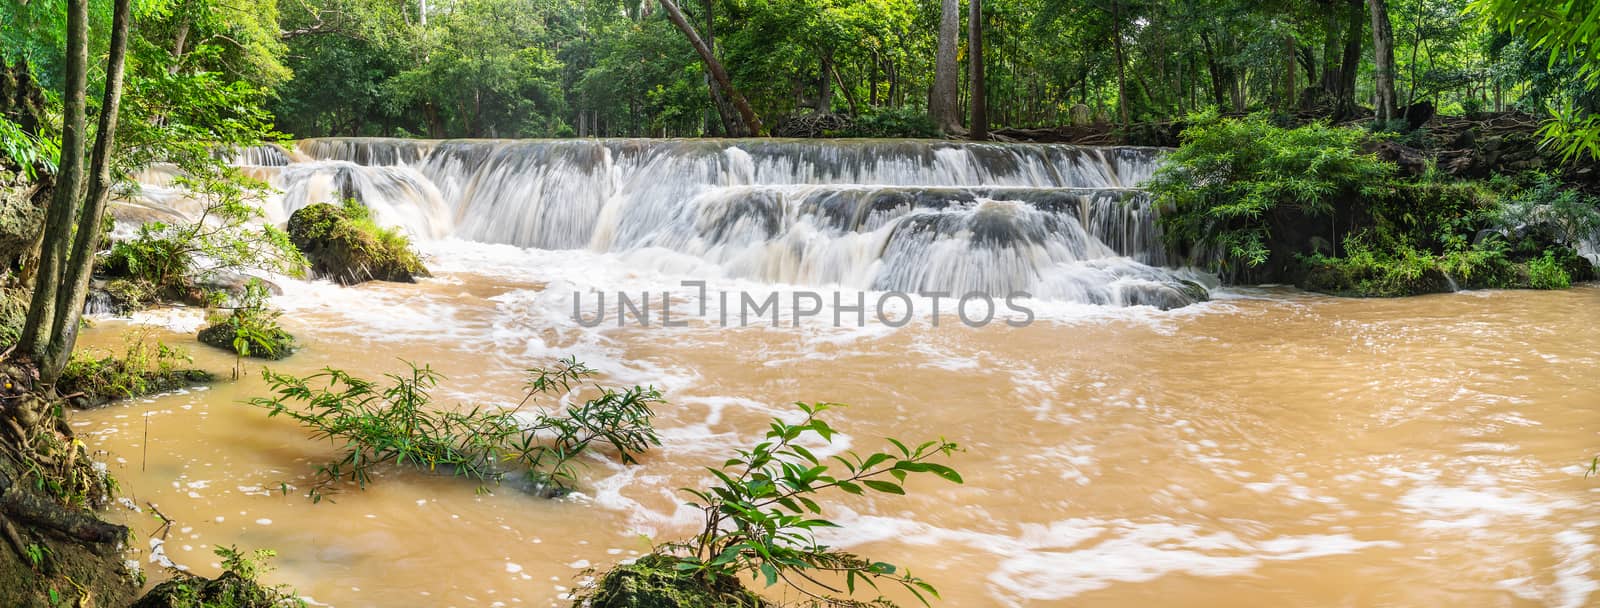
(392, 424)
(760, 518)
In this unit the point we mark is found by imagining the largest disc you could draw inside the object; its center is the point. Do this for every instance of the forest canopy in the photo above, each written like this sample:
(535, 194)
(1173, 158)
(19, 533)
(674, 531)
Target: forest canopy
(555, 68)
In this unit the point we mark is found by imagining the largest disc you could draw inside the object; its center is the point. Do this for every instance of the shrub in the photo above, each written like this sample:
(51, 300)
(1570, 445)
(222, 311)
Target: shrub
(1233, 182)
(1548, 211)
(29, 152)
(251, 329)
(900, 122)
(1547, 273)
(169, 257)
(393, 425)
(760, 515)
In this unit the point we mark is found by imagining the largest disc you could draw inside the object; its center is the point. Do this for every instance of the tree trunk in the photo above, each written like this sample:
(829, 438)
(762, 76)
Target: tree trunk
(752, 123)
(725, 110)
(1289, 47)
(1122, 78)
(943, 105)
(824, 83)
(1352, 60)
(75, 279)
(980, 108)
(1330, 53)
(1383, 61)
(39, 329)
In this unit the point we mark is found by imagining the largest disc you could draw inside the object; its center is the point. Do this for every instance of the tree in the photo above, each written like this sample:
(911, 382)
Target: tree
(752, 123)
(942, 105)
(980, 112)
(1383, 61)
(71, 233)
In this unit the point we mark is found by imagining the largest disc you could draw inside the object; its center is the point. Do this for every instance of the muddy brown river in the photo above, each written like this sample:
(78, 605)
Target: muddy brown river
(1136, 444)
(1269, 447)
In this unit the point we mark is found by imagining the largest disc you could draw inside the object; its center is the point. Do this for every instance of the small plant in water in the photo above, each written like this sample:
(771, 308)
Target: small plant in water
(393, 424)
(250, 329)
(760, 516)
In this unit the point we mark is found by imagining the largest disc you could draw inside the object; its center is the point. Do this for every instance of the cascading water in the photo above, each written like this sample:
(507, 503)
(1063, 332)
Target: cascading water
(1058, 222)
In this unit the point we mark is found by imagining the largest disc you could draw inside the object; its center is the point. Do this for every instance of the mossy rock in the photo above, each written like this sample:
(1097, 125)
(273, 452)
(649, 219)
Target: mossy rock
(221, 335)
(227, 591)
(344, 245)
(653, 581)
(1342, 280)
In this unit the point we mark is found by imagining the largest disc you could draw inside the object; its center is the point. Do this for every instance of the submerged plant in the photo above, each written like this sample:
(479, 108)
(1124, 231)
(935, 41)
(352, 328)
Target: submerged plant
(392, 424)
(760, 518)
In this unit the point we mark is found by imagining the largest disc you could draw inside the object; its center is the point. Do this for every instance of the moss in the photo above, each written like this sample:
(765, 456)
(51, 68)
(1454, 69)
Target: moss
(221, 334)
(144, 369)
(345, 245)
(653, 581)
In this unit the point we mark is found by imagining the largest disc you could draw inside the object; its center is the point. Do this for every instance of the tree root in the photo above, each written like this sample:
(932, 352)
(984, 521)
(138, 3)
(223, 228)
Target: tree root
(26, 507)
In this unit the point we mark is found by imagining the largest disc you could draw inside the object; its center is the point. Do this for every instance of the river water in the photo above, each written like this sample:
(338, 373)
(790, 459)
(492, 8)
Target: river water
(1266, 447)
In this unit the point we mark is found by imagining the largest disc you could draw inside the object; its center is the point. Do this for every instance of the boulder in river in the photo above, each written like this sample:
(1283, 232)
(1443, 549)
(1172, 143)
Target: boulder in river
(344, 244)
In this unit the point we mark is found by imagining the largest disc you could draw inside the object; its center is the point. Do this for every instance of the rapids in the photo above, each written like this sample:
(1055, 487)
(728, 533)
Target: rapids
(1267, 447)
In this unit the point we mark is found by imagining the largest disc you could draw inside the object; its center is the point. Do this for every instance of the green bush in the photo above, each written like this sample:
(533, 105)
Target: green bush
(394, 425)
(1547, 210)
(237, 587)
(251, 329)
(899, 122)
(1547, 273)
(760, 515)
(29, 153)
(168, 258)
(1233, 182)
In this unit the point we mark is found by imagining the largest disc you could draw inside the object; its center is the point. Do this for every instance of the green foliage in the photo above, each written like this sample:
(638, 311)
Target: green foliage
(1568, 33)
(1234, 180)
(30, 153)
(223, 237)
(1551, 210)
(251, 328)
(376, 425)
(238, 586)
(145, 366)
(1546, 273)
(762, 510)
(892, 122)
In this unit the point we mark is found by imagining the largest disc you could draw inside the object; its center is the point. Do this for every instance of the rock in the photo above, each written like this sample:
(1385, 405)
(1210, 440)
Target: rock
(230, 589)
(1465, 139)
(1163, 295)
(1410, 160)
(343, 244)
(1080, 115)
(653, 581)
(1417, 114)
(232, 285)
(221, 335)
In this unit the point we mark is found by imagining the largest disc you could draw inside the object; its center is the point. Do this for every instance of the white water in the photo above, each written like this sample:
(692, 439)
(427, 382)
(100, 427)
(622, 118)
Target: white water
(1056, 222)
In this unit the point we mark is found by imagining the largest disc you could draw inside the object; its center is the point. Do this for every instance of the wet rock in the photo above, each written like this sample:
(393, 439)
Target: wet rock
(653, 581)
(221, 335)
(344, 245)
(232, 286)
(230, 590)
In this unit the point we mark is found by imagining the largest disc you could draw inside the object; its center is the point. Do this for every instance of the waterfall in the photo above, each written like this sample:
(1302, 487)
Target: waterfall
(1060, 222)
